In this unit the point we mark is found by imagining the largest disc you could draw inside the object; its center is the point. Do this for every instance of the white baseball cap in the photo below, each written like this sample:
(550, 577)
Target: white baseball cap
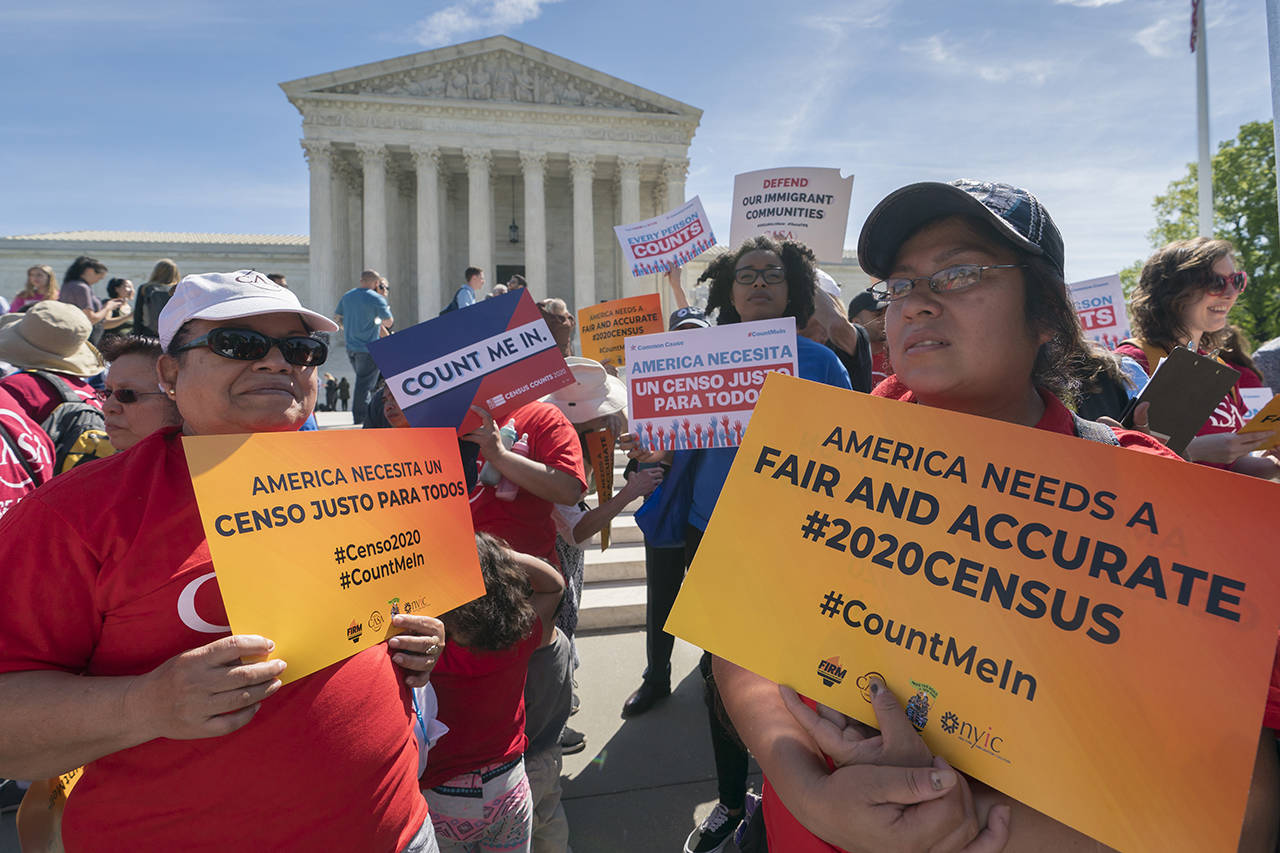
(229, 295)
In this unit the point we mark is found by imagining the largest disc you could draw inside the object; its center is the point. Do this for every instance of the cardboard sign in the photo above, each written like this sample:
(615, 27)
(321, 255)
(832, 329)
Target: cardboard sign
(604, 328)
(600, 448)
(497, 354)
(1100, 305)
(318, 539)
(807, 205)
(695, 389)
(672, 239)
(1066, 621)
(1266, 420)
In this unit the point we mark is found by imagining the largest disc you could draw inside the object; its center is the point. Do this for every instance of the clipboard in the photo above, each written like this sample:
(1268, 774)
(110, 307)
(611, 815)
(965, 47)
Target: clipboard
(1183, 392)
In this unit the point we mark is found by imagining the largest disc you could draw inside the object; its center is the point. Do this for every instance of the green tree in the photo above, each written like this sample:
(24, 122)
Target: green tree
(1244, 202)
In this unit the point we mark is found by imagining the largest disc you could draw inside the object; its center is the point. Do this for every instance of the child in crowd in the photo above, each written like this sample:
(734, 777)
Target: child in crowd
(475, 782)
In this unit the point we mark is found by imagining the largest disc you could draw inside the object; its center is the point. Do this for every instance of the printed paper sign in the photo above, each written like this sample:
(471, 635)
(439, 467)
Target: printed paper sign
(1101, 307)
(695, 389)
(1057, 616)
(1266, 418)
(497, 354)
(672, 239)
(318, 539)
(807, 205)
(604, 328)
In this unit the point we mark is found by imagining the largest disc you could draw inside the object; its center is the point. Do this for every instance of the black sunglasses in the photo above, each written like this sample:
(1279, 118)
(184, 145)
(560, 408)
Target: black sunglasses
(248, 345)
(125, 395)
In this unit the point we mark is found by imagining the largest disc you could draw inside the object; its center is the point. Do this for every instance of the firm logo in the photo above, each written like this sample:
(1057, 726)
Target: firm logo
(354, 630)
(831, 672)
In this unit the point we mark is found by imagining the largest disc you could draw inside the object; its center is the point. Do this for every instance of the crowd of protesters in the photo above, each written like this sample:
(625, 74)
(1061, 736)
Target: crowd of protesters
(188, 737)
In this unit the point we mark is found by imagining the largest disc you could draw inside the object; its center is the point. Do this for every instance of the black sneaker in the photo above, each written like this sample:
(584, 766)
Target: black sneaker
(714, 832)
(572, 741)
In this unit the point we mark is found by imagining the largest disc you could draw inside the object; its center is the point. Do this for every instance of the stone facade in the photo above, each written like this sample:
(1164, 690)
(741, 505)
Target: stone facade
(420, 164)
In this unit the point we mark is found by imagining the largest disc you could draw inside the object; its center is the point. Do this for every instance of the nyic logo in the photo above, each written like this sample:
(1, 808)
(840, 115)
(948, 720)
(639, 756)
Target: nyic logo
(831, 672)
(354, 630)
(974, 735)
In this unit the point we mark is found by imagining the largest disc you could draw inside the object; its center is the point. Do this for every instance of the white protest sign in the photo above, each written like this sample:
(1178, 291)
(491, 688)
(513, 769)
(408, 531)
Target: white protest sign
(807, 205)
(1099, 303)
(695, 389)
(1255, 399)
(672, 239)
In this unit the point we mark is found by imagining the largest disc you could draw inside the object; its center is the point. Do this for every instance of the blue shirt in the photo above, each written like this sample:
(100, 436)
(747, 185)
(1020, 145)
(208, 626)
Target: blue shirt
(711, 467)
(464, 297)
(360, 308)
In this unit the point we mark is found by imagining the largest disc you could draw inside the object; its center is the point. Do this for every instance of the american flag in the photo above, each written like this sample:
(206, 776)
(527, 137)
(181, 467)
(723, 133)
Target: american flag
(1195, 14)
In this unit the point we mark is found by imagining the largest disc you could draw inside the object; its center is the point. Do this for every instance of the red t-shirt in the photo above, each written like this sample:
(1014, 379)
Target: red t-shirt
(35, 448)
(784, 831)
(107, 573)
(526, 523)
(481, 700)
(880, 369)
(38, 398)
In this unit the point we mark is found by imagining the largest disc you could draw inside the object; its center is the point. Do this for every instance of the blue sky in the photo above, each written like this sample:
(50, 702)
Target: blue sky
(166, 114)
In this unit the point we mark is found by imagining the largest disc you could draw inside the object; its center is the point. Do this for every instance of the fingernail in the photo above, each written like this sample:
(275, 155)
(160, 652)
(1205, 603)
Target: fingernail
(875, 688)
(271, 644)
(942, 779)
(1001, 815)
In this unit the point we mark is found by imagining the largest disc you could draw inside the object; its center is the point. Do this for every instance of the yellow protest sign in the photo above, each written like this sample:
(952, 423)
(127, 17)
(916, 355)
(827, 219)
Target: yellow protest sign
(600, 447)
(319, 538)
(1267, 420)
(1072, 623)
(604, 328)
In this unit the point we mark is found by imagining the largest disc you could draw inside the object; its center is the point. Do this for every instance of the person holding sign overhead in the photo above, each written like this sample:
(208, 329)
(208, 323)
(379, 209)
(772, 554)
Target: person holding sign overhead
(1183, 297)
(122, 660)
(762, 280)
(979, 321)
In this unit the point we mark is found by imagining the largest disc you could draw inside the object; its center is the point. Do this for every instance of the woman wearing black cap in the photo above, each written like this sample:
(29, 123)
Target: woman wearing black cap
(978, 321)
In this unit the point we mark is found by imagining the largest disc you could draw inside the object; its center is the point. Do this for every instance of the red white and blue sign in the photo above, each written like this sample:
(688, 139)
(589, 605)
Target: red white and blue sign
(497, 354)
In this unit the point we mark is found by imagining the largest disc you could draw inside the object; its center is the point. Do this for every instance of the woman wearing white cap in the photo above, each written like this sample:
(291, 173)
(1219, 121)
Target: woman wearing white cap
(116, 653)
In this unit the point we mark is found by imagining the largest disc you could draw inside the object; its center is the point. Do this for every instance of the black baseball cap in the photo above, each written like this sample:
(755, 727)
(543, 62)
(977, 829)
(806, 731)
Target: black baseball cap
(689, 316)
(1016, 214)
(866, 301)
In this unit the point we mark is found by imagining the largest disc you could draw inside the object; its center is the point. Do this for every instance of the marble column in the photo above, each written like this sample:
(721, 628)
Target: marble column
(629, 211)
(534, 166)
(480, 211)
(426, 162)
(373, 159)
(583, 168)
(323, 284)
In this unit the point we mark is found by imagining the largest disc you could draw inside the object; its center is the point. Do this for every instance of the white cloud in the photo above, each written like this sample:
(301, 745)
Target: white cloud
(474, 16)
(1159, 39)
(1087, 4)
(936, 50)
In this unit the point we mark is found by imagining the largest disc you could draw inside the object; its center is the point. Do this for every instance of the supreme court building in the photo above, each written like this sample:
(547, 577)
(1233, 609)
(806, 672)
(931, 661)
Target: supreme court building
(490, 153)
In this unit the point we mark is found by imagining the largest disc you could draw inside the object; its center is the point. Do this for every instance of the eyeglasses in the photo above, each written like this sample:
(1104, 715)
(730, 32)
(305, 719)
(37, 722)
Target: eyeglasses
(950, 280)
(1218, 284)
(248, 345)
(771, 275)
(125, 395)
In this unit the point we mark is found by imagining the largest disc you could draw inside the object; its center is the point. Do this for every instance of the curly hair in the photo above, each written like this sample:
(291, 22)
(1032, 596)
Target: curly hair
(504, 615)
(1173, 278)
(797, 261)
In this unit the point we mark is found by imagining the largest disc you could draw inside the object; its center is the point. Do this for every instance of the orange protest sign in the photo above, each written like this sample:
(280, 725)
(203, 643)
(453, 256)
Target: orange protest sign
(600, 446)
(1070, 622)
(318, 539)
(603, 328)
(1267, 420)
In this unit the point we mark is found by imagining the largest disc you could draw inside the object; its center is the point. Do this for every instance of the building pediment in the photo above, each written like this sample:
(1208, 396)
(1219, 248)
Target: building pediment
(489, 72)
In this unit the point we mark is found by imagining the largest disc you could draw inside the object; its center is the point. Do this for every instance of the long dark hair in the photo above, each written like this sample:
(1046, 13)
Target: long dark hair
(82, 263)
(504, 615)
(797, 262)
(1174, 277)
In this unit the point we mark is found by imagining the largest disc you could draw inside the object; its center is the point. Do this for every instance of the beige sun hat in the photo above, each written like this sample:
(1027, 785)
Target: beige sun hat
(594, 392)
(50, 336)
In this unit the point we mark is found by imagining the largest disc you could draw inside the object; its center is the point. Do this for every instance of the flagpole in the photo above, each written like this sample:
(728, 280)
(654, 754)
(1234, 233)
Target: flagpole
(1202, 115)
(1273, 41)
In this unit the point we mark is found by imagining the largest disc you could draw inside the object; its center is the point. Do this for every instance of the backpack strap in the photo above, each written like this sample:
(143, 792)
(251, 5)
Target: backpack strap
(18, 454)
(59, 384)
(1094, 431)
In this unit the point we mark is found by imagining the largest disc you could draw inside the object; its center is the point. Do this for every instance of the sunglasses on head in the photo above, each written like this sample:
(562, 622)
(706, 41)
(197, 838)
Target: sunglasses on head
(1218, 284)
(125, 395)
(248, 345)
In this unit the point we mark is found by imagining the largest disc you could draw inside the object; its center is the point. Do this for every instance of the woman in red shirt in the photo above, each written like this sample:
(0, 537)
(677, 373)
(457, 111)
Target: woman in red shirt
(979, 321)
